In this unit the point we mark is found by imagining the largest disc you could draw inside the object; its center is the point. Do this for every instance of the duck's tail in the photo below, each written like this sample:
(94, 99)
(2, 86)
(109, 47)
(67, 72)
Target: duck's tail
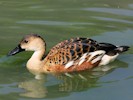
(122, 49)
(112, 49)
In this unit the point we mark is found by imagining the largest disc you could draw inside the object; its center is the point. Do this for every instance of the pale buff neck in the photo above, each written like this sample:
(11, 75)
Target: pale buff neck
(37, 55)
(35, 63)
(39, 51)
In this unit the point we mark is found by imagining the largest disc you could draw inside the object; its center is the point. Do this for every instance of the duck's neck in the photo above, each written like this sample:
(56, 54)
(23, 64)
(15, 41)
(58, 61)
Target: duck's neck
(35, 63)
(38, 55)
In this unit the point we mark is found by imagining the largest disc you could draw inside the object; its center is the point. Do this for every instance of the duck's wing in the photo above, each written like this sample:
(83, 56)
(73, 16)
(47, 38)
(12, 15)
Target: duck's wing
(74, 52)
(75, 44)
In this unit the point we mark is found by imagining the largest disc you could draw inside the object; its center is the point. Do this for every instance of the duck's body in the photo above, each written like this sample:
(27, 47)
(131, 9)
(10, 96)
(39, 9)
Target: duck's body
(71, 55)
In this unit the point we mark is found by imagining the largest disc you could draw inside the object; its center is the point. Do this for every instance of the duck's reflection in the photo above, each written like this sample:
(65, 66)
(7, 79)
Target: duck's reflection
(74, 82)
(33, 88)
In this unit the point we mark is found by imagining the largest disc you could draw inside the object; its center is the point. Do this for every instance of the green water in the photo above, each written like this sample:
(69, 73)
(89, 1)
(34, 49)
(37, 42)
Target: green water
(56, 20)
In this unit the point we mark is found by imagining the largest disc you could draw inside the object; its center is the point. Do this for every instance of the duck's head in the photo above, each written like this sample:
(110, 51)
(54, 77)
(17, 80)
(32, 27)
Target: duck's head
(32, 42)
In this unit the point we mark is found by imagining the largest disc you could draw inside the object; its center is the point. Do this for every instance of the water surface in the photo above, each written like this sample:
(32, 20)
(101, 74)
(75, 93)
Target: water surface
(102, 20)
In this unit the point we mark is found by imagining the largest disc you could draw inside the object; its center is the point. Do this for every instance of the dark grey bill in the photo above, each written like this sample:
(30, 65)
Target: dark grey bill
(15, 51)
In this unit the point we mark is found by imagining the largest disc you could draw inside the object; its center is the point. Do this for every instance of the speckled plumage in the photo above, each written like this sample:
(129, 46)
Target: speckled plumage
(70, 50)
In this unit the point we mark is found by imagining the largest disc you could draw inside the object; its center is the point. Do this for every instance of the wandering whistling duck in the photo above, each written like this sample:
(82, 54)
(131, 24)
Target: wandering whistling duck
(76, 54)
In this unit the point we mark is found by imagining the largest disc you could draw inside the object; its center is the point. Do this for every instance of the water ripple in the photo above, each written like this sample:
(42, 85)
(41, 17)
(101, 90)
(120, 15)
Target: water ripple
(118, 11)
(115, 20)
(51, 23)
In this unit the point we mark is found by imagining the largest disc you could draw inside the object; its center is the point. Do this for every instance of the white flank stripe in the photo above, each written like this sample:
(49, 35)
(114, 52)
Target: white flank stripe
(84, 56)
(96, 59)
(92, 54)
(69, 64)
(81, 61)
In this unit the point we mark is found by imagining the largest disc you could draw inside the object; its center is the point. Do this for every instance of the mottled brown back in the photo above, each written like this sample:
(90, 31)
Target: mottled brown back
(70, 50)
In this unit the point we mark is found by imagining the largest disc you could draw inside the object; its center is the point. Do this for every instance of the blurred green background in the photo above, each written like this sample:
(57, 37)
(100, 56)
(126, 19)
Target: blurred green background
(57, 20)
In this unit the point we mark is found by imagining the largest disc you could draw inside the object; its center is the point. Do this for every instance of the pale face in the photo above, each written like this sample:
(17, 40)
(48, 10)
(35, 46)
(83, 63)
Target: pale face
(29, 43)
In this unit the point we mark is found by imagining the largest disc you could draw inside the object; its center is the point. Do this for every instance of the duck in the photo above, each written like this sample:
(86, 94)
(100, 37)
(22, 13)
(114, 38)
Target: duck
(72, 55)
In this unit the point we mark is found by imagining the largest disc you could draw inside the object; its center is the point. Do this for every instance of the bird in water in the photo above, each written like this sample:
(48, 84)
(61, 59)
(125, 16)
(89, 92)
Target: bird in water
(72, 55)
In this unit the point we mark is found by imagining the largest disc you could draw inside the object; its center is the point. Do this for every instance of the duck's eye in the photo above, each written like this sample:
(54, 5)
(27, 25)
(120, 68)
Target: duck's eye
(25, 41)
